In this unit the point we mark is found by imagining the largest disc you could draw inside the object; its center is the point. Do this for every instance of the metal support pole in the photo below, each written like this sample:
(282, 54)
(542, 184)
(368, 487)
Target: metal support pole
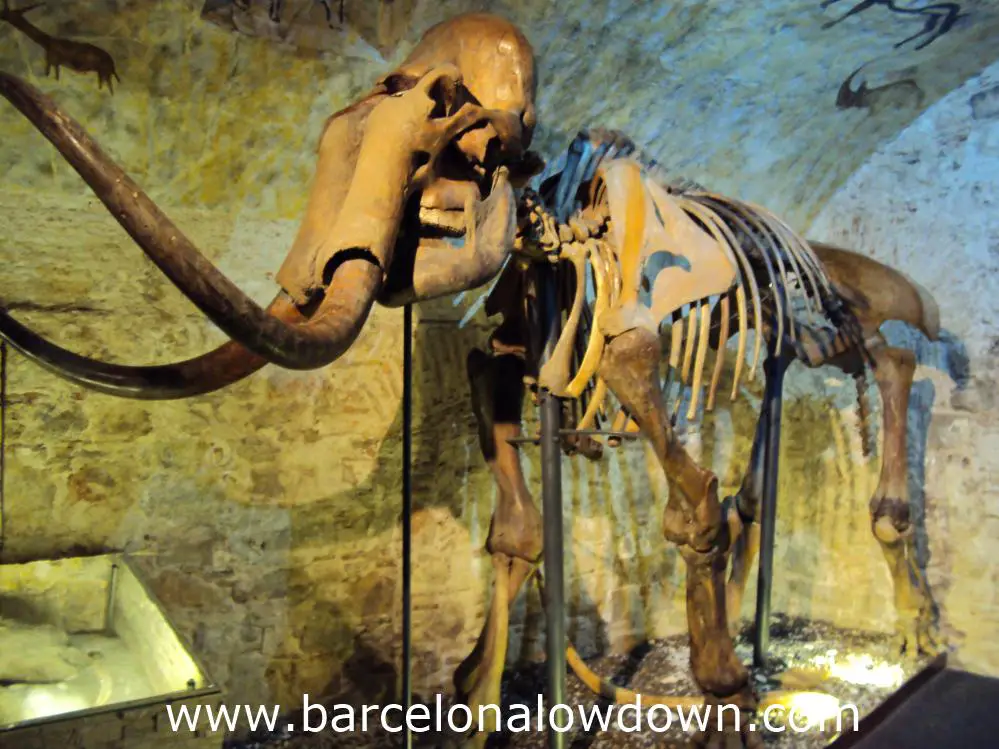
(774, 368)
(551, 499)
(3, 439)
(407, 517)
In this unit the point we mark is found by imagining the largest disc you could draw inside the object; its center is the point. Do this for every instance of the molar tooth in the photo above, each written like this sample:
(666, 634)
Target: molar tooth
(451, 222)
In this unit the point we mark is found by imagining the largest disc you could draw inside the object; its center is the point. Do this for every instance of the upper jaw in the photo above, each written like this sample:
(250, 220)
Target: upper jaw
(443, 205)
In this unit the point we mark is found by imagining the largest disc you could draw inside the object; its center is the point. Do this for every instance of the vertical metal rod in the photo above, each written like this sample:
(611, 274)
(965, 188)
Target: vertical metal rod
(773, 368)
(551, 498)
(407, 516)
(3, 439)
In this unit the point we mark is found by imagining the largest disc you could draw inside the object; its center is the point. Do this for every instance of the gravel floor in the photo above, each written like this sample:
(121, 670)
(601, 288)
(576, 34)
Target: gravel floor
(857, 668)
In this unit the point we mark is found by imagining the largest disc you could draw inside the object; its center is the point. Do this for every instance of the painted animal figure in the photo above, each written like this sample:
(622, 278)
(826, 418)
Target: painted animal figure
(421, 190)
(276, 8)
(78, 56)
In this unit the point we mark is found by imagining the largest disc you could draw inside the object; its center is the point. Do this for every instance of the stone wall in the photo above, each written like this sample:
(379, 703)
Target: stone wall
(266, 516)
(926, 202)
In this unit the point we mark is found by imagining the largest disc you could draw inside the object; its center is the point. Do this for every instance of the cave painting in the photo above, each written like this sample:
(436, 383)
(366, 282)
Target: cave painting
(78, 56)
(937, 20)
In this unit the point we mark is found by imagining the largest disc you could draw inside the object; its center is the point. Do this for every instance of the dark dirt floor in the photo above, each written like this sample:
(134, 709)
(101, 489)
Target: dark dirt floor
(859, 669)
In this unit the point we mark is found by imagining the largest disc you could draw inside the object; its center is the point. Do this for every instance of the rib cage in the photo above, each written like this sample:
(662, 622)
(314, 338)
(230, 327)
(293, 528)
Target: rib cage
(780, 287)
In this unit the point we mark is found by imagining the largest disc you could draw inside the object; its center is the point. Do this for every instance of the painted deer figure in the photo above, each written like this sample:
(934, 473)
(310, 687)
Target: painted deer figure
(78, 56)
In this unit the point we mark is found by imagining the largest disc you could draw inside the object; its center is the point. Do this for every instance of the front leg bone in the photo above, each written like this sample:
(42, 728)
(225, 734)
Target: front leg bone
(694, 521)
(515, 531)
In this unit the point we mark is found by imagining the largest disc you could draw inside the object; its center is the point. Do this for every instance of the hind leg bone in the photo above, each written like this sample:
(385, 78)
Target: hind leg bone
(890, 509)
(693, 520)
(742, 513)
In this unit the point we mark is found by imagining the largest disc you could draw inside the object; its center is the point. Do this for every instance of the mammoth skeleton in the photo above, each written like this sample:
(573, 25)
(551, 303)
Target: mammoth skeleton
(425, 187)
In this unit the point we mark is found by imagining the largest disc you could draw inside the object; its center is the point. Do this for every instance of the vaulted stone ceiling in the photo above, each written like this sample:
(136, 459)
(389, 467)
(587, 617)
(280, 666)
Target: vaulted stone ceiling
(778, 101)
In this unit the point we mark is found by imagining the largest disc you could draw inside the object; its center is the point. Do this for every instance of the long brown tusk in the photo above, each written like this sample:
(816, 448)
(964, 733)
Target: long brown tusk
(207, 373)
(313, 344)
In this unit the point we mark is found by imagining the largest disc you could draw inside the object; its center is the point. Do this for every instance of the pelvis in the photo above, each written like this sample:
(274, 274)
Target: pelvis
(666, 258)
(653, 260)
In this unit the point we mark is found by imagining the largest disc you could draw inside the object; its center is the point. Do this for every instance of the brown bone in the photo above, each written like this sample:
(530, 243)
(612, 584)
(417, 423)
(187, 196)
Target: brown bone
(373, 157)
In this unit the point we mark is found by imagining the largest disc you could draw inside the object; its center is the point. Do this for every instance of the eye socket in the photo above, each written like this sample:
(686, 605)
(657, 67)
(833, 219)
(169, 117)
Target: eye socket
(398, 83)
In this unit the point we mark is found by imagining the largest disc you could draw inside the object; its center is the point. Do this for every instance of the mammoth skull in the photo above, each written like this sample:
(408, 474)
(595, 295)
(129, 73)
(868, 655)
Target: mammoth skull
(412, 198)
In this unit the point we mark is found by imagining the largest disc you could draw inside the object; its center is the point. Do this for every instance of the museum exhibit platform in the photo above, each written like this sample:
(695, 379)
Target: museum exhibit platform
(88, 659)
(941, 707)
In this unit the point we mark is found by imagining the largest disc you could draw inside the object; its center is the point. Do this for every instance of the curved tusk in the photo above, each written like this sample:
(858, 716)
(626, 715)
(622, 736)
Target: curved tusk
(313, 344)
(207, 373)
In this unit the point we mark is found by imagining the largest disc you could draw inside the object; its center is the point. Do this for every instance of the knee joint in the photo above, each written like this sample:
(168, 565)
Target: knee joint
(890, 521)
(697, 525)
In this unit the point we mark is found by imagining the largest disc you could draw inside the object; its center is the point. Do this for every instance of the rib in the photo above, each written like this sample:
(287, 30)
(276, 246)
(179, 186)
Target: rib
(733, 212)
(702, 352)
(720, 356)
(750, 279)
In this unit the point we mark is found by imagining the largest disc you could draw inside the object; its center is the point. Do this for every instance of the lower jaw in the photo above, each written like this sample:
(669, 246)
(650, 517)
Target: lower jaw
(443, 223)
